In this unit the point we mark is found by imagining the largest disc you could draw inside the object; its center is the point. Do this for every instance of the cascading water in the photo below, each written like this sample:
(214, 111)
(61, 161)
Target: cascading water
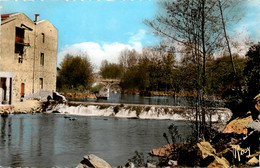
(140, 112)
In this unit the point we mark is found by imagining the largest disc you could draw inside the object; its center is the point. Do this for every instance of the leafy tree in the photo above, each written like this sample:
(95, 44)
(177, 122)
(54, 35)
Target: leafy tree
(75, 73)
(252, 71)
(111, 70)
(221, 77)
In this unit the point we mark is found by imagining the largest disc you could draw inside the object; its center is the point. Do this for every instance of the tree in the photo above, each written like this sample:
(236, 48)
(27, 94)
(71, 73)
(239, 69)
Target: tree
(252, 71)
(221, 77)
(75, 73)
(110, 70)
(238, 85)
(128, 58)
(196, 24)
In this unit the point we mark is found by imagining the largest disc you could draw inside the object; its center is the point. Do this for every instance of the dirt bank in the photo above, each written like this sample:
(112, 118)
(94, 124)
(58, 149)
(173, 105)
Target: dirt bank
(78, 95)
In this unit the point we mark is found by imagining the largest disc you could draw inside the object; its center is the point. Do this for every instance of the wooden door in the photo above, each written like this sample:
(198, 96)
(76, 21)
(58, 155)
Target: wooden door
(22, 90)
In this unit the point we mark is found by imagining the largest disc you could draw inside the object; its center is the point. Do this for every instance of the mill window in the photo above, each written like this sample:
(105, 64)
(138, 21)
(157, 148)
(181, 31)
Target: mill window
(41, 83)
(43, 37)
(19, 43)
(19, 38)
(42, 59)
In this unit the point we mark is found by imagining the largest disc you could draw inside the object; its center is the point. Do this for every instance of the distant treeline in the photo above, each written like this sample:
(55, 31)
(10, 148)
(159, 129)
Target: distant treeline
(159, 71)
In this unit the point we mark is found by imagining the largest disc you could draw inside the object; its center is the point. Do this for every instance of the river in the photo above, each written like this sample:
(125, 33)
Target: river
(48, 140)
(152, 100)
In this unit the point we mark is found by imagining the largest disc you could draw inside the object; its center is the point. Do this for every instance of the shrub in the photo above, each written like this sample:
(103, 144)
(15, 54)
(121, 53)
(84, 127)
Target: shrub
(116, 108)
(147, 108)
(138, 110)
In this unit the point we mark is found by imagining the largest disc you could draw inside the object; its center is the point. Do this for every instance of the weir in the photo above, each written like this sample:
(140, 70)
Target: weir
(140, 112)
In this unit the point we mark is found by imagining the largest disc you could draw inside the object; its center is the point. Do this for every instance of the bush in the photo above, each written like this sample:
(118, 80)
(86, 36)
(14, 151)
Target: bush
(103, 107)
(138, 110)
(116, 108)
(147, 108)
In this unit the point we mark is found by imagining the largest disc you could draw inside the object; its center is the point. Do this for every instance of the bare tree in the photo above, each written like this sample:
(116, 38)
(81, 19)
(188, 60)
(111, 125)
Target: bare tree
(128, 58)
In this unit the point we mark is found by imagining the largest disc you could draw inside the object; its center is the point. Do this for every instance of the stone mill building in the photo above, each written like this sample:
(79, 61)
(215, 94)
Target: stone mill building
(28, 56)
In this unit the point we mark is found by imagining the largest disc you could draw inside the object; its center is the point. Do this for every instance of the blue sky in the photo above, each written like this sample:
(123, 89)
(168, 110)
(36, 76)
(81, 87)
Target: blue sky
(103, 28)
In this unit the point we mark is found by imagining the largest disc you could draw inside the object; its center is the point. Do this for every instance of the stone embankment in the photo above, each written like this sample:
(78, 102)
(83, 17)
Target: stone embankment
(28, 106)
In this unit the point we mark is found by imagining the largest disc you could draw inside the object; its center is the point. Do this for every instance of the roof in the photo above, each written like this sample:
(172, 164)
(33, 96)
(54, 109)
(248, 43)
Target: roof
(6, 16)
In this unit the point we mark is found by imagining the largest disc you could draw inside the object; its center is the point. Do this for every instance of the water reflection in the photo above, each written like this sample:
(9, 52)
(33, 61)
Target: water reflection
(52, 140)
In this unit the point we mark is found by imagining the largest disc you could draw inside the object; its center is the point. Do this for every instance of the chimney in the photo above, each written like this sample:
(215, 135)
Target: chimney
(36, 17)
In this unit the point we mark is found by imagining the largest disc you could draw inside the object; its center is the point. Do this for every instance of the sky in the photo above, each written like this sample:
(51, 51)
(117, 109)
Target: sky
(103, 28)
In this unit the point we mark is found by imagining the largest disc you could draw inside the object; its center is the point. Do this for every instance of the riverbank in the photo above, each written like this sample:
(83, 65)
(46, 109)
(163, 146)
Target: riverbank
(88, 95)
(28, 106)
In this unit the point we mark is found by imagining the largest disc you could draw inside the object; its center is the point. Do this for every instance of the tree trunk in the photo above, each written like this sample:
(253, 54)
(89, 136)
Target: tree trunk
(238, 86)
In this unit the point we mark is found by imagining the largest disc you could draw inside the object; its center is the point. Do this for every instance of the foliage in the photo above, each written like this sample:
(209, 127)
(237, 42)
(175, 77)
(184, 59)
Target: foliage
(174, 134)
(248, 71)
(221, 77)
(116, 108)
(104, 106)
(153, 75)
(138, 110)
(96, 88)
(153, 72)
(110, 70)
(138, 159)
(239, 104)
(75, 73)
(252, 71)
(197, 25)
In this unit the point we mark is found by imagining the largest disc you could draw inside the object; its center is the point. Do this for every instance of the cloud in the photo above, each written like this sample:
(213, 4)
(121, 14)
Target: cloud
(97, 52)
(136, 39)
(251, 19)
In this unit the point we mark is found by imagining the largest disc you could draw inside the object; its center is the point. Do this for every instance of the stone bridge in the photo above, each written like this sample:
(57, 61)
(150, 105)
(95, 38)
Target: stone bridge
(107, 82)
(110, 85)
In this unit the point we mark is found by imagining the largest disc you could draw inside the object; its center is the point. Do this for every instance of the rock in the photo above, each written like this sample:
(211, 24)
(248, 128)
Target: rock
(150, 165)
(219, 162)
(4, 114)
(164, 151)
(254, 125)
(253, 162)
(59, 97)
(130, 165)
(172, 162)
(66, 116)
(238, 125)
(92, 160)
(206, 149)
